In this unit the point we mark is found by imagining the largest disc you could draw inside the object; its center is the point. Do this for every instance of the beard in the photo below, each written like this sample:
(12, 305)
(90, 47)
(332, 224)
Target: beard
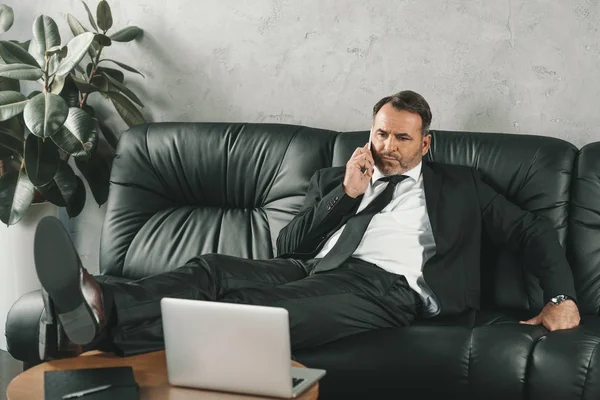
(395, 165)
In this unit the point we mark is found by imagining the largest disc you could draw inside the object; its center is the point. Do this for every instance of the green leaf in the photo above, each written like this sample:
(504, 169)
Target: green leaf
(7, 17)
(58, 82)
(127, 34)
(11, 104)
(12, 53)
(41, 160)
(70, 92)
(126, 109)
(102, 40)
(97, 173)
(90, 16)
(21, 71)
(108, 134)
(9, 84)
(75, 206)
(52, 51)
(45, 113)
(90, 110)
(93, 50)
(100, 82)
(79, 135)
(15, 126)
(16, 194)
(24, 45)
(10, 144)
(124, 66)
(104, 16)
(77, 49)
(33, 94)
(53, 65)
(45, 36)
(124, 89)
(62, 188)
(113, 73)
(83, 86)
(80, 69)
(76, 27)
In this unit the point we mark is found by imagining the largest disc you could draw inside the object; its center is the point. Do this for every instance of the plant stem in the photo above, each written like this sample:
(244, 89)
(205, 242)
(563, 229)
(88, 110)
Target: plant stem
(46, 79)
(92, 73)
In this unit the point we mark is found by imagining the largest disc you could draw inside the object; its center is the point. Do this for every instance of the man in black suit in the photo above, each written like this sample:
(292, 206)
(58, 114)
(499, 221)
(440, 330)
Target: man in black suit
(384, 240)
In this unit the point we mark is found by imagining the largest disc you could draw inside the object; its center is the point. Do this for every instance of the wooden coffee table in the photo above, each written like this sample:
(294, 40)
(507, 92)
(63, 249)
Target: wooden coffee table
(150, 372)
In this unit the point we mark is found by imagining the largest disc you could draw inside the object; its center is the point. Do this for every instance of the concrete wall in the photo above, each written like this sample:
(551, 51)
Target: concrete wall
(517, 66)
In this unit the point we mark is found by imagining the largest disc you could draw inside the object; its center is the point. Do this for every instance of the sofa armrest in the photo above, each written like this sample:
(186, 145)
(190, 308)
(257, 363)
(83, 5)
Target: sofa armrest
(565, 363)
(23, 321)
(22, 327)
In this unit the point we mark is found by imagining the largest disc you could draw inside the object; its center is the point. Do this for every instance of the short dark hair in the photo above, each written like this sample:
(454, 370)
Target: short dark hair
(408, 100)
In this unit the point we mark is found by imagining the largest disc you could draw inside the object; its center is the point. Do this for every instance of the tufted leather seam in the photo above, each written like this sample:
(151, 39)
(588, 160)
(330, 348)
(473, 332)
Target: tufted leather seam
(136, 186)
(587, 371)
(529, 365)
(469, 362)
(260, 211)
(185, 180)
(150, 158)
(232, 135)
(122, 266)
(218, 233)
(268, 191)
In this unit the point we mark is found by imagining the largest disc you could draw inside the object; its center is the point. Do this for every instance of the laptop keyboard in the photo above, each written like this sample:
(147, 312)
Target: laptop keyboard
(296, 381)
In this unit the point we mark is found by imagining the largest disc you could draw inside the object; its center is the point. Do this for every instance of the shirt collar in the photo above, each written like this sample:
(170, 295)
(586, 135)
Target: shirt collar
(411, 173)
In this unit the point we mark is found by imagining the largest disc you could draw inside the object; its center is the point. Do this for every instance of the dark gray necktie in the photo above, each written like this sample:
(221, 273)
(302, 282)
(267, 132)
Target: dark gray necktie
(356, 227)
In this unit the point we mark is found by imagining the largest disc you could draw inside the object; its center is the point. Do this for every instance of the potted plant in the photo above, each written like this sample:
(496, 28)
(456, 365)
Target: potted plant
(42, 130)
(46, 133)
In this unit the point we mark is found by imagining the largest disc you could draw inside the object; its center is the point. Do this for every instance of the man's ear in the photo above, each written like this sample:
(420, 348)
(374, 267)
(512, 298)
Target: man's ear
(426, 144)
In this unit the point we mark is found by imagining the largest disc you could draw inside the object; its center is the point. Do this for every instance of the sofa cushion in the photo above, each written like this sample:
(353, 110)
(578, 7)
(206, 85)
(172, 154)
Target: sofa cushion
(183, 189)
(427, 362)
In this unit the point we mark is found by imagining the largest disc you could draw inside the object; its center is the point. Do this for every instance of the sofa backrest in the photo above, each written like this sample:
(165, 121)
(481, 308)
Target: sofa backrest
(533, 172)
(179, 190)
(183, 189)
(583, 244)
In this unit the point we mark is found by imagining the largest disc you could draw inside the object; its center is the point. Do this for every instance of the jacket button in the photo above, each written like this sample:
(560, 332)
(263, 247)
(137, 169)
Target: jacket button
(336, 198)
(328, 208)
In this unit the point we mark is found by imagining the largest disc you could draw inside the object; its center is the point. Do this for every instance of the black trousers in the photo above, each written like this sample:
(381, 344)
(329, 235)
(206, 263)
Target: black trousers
(323, 307)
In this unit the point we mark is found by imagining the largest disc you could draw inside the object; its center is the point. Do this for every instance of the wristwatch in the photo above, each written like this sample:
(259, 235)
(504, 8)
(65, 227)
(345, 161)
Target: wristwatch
(556, 300)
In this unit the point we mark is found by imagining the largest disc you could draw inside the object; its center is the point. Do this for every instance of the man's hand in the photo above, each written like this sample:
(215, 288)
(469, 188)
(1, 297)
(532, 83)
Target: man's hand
(555, 317)
(355, 181)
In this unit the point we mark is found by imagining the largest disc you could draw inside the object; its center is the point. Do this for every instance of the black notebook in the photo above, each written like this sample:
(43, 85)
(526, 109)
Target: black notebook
(123, 386)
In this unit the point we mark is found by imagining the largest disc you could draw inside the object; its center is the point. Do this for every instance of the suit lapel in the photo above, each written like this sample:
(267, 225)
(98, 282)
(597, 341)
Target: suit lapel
(432, 184)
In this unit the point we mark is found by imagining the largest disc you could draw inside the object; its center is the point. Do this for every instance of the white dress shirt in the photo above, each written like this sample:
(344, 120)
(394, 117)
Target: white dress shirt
(399, 239)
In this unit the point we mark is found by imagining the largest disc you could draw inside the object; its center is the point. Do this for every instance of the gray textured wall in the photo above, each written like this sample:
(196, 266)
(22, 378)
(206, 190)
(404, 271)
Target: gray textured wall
(517, 66)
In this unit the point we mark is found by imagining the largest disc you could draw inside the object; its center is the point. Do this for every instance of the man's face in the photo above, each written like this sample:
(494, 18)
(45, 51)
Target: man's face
(396, 141)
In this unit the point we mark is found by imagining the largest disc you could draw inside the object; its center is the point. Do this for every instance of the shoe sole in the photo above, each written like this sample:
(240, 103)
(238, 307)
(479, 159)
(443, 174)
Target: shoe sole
(57, 267)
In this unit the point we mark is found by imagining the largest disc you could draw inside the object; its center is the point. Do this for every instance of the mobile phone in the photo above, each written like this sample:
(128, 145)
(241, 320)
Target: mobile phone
(364, 170)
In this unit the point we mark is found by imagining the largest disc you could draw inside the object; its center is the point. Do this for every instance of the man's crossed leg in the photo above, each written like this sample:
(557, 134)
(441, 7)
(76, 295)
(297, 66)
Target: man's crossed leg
(125, 317)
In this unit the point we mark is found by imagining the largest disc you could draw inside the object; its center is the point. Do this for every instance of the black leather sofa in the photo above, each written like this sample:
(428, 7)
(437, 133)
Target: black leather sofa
(182, 189)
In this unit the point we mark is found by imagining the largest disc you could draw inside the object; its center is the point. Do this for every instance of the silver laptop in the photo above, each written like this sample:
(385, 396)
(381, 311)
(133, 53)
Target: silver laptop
(232, 347)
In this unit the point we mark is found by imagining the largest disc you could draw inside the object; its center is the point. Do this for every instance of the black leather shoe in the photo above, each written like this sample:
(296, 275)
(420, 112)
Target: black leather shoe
(74, 296)
(53, 343)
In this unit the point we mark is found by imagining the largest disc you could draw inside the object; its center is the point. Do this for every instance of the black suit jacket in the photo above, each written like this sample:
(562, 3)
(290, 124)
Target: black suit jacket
(460, 207)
